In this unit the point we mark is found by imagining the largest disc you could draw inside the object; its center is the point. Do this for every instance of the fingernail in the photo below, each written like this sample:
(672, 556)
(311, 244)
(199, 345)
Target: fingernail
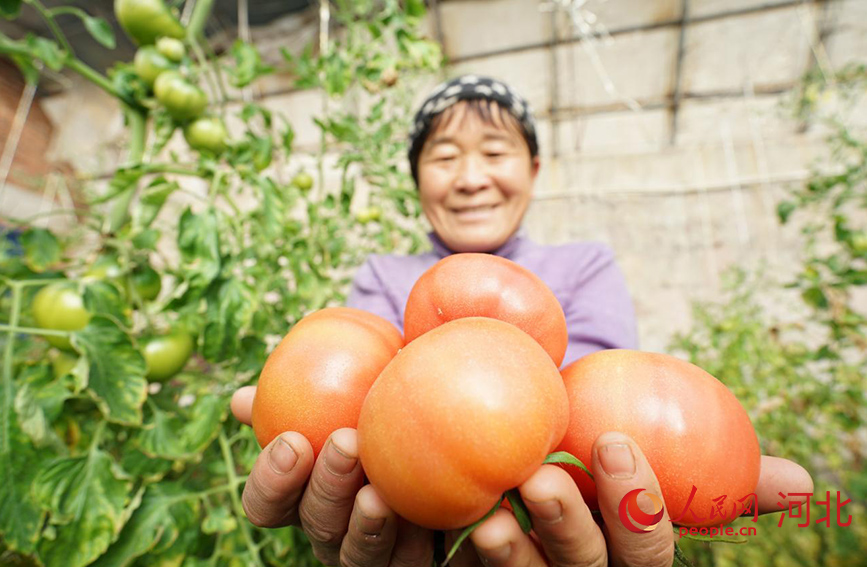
(369, 526)
(550, 511)
(337, 461)
(498, 554)
(282, 457)
(617, 460)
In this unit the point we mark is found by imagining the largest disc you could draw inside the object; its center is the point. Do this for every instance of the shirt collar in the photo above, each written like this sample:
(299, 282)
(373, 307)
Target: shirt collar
(508, 250)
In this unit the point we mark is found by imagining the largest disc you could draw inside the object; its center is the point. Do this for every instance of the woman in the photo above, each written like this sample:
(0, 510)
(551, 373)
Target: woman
(474, 157)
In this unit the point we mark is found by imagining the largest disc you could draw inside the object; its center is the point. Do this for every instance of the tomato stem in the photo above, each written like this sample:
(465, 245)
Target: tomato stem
(12, 328)
(6, 410)
(470, 529)
(236, 501)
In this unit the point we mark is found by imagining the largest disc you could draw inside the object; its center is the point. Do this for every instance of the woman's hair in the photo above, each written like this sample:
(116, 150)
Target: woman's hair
(490, 100)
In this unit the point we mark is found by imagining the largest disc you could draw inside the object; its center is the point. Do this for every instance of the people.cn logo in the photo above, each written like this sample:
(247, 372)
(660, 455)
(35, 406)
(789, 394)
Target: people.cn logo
(646, 522)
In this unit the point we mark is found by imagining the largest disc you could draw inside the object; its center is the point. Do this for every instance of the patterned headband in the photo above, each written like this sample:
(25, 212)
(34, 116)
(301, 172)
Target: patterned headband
(468, 87)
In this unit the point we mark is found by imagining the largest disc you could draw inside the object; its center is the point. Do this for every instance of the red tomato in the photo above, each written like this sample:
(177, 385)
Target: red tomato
(316, 379)
(484, 285)
(461, 415)
(691, 428)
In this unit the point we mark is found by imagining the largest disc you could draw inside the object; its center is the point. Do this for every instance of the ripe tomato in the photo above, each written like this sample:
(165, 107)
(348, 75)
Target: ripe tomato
(182, 99)
(461, 415)
(484, 285)
(316, 379)
(166, 355)
(690, 427)
(146, 20)
(60, 307)
(206, 134)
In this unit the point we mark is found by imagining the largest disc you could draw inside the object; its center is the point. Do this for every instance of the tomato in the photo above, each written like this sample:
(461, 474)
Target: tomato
(105, 267)
(60, 307)
(484, 285)
(206, 134)
(146, 20)
(147, 282)
(63, 363)
(182, 99)
(171, 48)
(316, 379)
(166, 355)
(461, 415)
(368, 214)
(691, 428)
(150, 64)
(303, 181)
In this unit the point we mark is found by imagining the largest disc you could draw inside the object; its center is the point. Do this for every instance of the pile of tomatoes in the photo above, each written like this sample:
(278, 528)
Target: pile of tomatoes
(468, 404)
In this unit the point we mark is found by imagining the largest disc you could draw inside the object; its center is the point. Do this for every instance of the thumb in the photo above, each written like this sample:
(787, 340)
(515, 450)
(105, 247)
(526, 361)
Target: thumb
(630, 501)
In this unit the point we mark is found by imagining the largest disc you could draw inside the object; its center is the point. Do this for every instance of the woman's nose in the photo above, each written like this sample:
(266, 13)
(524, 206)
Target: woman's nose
(473, 174)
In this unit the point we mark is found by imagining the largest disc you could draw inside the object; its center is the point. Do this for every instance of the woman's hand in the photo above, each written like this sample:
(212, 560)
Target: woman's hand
(569, 536)
(347, 523)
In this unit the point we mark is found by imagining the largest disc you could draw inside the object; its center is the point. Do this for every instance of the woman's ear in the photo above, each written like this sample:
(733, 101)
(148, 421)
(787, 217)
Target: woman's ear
(535, 164)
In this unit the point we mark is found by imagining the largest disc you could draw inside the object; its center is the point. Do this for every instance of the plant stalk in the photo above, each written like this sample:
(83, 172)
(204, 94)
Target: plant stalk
(138, 135)
(201, 13)
(236, 501)
(7, 369)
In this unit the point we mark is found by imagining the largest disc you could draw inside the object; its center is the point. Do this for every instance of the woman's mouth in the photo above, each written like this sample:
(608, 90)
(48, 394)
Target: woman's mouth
(475, 213)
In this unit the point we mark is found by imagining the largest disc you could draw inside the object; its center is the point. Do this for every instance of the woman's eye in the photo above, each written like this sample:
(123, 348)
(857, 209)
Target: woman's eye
(445, 158)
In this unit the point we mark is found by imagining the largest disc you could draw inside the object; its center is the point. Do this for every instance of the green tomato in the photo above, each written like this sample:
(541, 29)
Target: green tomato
(104, 268)
(63, 363)
(166, 355)
(146, 282)
(146, 20)
(59, 307)
(171, 48)
(150, 64)
(206, 134)
(182, 99)
(368, 214)
(859, 242)
(303, 181)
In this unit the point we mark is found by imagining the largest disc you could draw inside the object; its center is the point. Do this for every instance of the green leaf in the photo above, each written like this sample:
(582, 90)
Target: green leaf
(39, 402)
(9, 8)
(21, 518)
(147, 239)
(519, 509)
(784, 211)
(219, 521)
(149, 469)
(467, 531)
(230, 310)
(183, 437)
(86, 497)
(100, 30)
(199, 244)
(680, 559)
(41, 248)
(415, 8)
(288, 138)
(562, 457)
(165, 514)
(248, 64)
(815, 297)
(116, 378)
(152, 200)
(102, 298)
(46, 50)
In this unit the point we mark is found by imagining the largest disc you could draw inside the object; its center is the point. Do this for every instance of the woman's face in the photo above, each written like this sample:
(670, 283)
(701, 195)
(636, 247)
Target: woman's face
(475, 179)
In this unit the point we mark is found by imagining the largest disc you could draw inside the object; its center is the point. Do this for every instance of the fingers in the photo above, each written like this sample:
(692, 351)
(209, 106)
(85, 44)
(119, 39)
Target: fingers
(274, 487)
(327, 504)
(242, 404)
(781, 475)
(563, 523)
(414, 546)
(371, 532)
(620, 467)
(500, 542)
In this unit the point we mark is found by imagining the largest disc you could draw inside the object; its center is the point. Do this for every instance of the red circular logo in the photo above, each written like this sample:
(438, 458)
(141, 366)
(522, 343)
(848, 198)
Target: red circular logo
(631, 514)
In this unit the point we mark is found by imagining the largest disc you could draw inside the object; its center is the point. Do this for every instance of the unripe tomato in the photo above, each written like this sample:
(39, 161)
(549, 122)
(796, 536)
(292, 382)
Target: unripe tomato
(462, 414)
(691, 428)
(147, 282)
(303, 181)
(60, 307)
(106, 267)
(146, 20)
(316, 379)
(368, 214)
(166, 355)
(206, 134)
(182, 99)
(484, 285)
(150, 64)
(63, 363)
(171, 48)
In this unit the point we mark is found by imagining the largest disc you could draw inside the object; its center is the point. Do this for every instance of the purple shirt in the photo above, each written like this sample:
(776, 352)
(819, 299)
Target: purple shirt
(583, 275)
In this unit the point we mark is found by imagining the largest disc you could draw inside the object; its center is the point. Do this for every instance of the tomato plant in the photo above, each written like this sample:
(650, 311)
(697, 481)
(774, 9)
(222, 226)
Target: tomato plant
(462, 414)
(484, 285)
(691, 428)
(202, 243)
(316, 379)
